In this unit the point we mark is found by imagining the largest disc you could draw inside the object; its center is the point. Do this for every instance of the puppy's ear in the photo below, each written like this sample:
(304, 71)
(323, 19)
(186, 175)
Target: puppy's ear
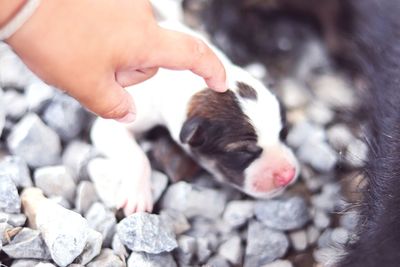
(193, 132)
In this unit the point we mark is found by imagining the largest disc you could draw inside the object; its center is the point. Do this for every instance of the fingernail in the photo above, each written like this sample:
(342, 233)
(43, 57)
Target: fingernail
(128, 118)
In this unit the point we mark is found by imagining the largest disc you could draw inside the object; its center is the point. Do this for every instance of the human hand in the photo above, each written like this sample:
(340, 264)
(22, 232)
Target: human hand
(92, 49)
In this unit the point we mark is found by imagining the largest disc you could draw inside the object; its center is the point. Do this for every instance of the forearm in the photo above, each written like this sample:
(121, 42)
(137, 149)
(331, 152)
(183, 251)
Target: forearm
(8, 8)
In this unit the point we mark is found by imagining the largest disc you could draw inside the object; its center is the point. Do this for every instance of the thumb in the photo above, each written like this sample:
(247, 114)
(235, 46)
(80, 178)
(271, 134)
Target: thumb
(110, 101)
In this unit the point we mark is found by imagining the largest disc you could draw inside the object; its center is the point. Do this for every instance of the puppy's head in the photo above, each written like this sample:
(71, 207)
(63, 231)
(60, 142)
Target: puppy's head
(238, 137)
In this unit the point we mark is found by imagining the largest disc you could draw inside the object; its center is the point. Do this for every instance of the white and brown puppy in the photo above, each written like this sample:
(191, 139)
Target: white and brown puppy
(236, 135)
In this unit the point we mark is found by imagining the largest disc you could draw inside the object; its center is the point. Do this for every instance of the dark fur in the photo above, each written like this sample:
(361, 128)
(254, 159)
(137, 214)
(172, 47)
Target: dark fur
(367, 34)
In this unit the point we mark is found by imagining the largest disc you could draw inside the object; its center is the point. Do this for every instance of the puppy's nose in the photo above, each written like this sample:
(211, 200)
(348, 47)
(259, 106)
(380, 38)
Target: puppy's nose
(284, 176)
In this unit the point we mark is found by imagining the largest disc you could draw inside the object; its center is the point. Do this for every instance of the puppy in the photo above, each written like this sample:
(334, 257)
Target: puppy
(236, 135)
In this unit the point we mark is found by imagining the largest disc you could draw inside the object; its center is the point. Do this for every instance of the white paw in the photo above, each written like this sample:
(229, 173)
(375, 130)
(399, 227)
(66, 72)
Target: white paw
(135, 192)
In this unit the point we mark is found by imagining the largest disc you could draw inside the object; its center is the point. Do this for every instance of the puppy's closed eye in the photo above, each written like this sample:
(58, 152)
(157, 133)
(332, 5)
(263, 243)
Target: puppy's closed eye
(240, 154)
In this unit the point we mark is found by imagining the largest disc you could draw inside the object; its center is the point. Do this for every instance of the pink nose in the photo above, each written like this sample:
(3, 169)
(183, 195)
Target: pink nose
(284, 177)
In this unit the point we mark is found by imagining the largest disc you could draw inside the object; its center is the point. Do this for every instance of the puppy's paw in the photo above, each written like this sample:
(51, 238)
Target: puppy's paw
(135, 192)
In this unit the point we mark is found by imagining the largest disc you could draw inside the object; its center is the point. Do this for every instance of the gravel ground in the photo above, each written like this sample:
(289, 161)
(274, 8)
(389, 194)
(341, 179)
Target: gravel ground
(44, 151)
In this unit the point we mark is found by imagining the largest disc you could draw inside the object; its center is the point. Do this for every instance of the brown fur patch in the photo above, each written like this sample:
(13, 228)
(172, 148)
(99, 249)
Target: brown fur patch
(246, 91)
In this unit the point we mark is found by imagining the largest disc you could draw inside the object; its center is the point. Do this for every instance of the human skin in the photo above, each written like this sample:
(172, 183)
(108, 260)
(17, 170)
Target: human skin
(92, 49)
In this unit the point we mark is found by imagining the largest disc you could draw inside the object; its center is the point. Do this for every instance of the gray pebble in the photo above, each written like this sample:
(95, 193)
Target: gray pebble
(318, 154)
(86, 195)
(194, 200)
(217, 261)
(328, 199)
(92, 248)
(37, 94)
(25, 263)
(55, 181)
(257, 70)
(349, 220)
(283, 214)
(33, 141)
(326, 256)
(319, 113)
(17, 169)
(340, 235)
(176, 220)
(2, 112)
(27, 244)
(102, 220)
(187, 246)
(13, 72)
(321, 219)
(9, 198)
(264, 245)
(159, 182)
(325, 240)
(65, 116)
(107, 258)
(13, 219)
(15, 104)
(334, 91)
(143, 232)
(304, 131)
(238, 212)
(141, 259)
(279, 263)
(339, 136)
(294, 94)
(119, 248)
(232, 250)
(298, 239)
(76, 155)
(357, 153)
(204, 249)
(312, 234)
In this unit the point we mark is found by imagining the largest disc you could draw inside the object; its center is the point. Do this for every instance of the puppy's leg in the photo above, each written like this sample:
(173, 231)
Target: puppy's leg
(116, 142)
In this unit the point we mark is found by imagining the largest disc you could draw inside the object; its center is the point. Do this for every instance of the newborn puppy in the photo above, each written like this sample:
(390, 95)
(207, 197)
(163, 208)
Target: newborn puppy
(236, 135)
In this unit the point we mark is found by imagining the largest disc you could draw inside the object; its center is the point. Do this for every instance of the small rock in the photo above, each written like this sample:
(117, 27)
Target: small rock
(298, 240)
(319, 113)
(176, 220)
(187, 246)
(340, 236)
(141, 259)
(339, 136)
(9, 198)
(257, 70)
(334, 91)
(65, 232)
(328, 199)
(27, 244)
(238, 212)
(15, 104)
(17, 169)
(145, 232)
(159, 182)
(4, 229)
(85, 196)
(326, 256)
(319, 155)
(282, 214)
(59, 200)
(37, 94)
(65, 116)
(24, 263)
(349, 220)
(321, 219)
(15, 220)
(92, 248)
(55, 181)
(312, 234)
(325, 240)
(76, 155)
(217, 261)
(279, 263)
(204, 249)
(304, 131)
(119, 248)
(294, 94)
(102, 220)
(194, 200)
(357, 153)
(33, 141)
(2, 112)
(13, 72)
(45, 264)
(264, 245)
(107, 258)
(232, 250)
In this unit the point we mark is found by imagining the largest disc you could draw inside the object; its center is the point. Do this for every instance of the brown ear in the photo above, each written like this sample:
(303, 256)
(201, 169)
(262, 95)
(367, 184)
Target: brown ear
(193, 132)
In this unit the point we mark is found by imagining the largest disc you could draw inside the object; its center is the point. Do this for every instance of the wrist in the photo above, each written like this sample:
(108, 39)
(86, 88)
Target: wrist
(8, 9)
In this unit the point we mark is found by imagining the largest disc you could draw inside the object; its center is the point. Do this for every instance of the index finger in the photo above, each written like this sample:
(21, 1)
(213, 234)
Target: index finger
(180, 51)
